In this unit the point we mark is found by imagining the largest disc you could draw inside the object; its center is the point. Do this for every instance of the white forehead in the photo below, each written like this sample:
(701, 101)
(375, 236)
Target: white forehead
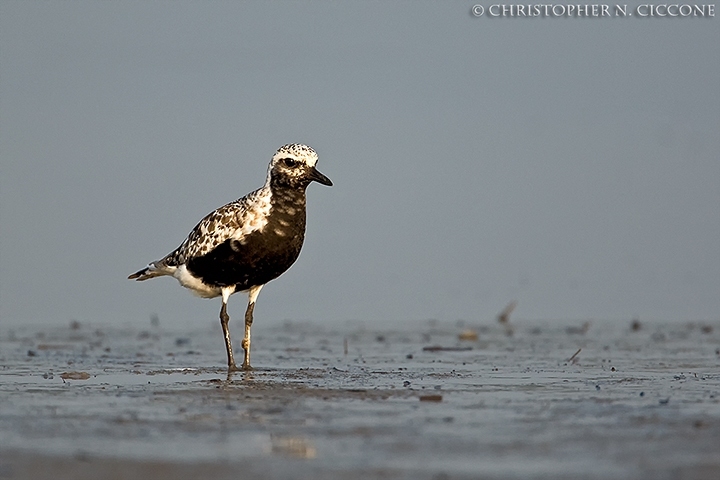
(297, 151)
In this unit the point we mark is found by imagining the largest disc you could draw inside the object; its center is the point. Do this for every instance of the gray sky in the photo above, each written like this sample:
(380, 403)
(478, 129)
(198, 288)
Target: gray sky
(570, 164)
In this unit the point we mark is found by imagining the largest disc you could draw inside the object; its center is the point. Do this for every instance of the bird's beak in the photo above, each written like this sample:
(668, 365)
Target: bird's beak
(319, 177)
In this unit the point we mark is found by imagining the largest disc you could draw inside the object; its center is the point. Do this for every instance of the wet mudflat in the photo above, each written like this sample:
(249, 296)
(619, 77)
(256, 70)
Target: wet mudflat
(422, 400)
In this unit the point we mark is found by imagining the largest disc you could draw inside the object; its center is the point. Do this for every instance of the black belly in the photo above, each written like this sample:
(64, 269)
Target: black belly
(257, 260)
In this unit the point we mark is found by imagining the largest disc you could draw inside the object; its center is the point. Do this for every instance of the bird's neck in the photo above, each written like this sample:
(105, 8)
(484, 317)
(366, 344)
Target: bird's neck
(288, 200)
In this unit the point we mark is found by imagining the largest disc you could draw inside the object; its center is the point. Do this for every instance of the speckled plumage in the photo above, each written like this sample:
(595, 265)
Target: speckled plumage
(246, 243)
(234, 220)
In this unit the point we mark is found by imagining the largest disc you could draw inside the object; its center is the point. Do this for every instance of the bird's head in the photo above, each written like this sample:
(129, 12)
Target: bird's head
(293, 165)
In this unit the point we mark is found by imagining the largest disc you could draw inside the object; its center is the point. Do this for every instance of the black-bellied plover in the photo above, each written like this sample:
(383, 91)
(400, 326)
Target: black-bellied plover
(243, 245)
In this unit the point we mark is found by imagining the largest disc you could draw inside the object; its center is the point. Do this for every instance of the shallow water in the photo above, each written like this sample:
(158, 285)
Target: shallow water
(412, 402)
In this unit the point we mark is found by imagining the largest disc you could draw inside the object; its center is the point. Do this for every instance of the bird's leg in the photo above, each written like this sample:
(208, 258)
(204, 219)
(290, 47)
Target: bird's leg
(246, 340)
(252, 296)
(224, 319)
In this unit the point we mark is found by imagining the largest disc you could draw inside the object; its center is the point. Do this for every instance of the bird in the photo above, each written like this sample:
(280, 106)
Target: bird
(246, 243)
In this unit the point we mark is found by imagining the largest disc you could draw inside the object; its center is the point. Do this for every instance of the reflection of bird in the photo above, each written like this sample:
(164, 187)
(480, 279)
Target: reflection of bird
(243, 245)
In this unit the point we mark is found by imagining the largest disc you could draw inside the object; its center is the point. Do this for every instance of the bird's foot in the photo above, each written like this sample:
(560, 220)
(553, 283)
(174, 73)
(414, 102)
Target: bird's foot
(242, 368)
(232, 367)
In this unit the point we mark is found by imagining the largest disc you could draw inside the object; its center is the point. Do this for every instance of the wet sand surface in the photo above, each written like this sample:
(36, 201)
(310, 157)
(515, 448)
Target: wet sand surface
(426, 400)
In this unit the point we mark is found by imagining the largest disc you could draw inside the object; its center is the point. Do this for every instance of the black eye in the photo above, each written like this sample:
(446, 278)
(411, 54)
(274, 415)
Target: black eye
(290, 162)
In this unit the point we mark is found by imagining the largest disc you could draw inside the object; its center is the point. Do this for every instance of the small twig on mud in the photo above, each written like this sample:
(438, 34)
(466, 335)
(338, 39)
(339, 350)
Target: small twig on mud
(574, 355)
(440, 348)
(504, 318)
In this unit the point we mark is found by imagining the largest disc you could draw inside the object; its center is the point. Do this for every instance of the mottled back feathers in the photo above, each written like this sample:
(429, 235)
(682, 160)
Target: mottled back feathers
(232, 221)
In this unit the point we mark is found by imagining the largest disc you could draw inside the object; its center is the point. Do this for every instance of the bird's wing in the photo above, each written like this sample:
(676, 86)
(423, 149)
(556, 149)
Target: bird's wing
(235, 220)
